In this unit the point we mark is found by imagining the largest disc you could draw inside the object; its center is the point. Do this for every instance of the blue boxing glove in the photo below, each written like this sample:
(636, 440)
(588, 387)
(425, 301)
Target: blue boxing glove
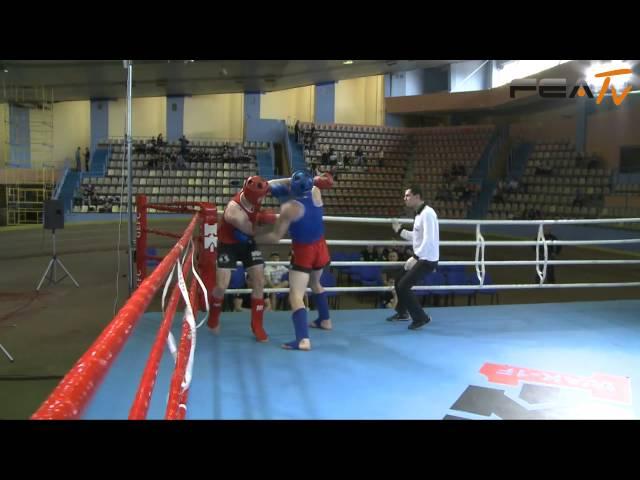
(280, 191)
(241, 236)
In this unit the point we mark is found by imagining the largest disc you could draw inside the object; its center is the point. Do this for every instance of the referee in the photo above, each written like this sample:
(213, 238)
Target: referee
(425, 238)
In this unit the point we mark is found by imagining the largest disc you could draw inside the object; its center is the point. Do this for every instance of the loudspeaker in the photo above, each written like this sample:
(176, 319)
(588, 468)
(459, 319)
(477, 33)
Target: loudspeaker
(53, 214)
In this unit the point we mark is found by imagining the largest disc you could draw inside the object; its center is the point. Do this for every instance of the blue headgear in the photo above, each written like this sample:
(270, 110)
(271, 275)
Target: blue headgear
(301, 183)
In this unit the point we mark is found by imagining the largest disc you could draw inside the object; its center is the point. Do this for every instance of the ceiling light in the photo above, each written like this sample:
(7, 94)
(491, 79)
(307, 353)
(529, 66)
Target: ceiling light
(347, 62)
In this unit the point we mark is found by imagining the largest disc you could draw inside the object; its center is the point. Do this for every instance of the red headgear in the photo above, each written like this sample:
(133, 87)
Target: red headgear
(255, 189)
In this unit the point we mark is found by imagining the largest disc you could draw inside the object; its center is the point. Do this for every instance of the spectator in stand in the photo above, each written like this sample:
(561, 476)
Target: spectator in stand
(369, 254)
(296, 130)
(87, 156)
(390, 276)
(274, 278)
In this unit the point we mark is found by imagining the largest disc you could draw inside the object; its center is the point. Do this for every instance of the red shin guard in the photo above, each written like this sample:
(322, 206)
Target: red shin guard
(257, 313)
(214, 312)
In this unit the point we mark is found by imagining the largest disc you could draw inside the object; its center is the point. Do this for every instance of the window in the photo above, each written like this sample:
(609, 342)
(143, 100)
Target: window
(514, 69)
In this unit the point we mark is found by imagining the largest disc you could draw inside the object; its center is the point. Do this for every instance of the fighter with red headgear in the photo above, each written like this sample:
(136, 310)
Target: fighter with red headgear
(235, 243)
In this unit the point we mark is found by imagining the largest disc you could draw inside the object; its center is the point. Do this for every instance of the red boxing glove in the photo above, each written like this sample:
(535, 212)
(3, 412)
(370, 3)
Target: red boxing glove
(266, 217)
(324, 181)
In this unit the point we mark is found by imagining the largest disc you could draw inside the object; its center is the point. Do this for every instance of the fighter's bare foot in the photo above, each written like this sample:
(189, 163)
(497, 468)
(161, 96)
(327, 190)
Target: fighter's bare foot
(304, 344)
(322, 324)
(215, 330)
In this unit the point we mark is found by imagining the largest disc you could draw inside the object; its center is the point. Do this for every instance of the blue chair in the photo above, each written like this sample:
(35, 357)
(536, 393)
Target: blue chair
(437, 279)
(340, 257)
(457, 277)
(352, 272)
(370, 277)
(328, 280)
(153, 252)
(238, 280)
(281, 297)
(473, 280)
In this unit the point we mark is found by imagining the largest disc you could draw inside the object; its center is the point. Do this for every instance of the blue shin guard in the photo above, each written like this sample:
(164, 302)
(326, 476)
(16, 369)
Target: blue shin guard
(323, 308)
(300, 326)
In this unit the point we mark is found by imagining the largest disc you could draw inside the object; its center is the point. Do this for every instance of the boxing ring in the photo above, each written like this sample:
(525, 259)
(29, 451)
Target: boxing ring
(573, 360)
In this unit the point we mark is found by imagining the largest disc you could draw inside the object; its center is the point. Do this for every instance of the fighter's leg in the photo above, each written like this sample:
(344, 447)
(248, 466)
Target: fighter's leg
(256, 277)
(324, 320)
(298, 281)
(223, 277)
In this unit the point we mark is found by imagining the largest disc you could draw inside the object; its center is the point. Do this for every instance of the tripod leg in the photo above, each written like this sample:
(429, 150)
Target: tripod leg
(6, 353)
(67, 272)
(45, 274)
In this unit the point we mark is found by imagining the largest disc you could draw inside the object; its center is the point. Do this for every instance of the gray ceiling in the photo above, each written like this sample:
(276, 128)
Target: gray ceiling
(85, 79)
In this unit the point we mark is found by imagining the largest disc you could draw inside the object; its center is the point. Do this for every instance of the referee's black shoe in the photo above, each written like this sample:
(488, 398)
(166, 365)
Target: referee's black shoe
(398, 317)
(416, 324)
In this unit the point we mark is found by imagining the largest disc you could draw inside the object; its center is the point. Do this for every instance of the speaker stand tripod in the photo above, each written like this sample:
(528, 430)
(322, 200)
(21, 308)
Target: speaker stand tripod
(4, 350)
(6, 353)
(51, 268)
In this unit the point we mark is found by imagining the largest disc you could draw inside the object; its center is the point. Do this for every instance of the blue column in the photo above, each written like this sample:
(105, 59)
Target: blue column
(252, 106)
(414, 82)
(325, 103)
(251, 112)
(99, 122)
(398, 84)
(19, 137)
(175, 118)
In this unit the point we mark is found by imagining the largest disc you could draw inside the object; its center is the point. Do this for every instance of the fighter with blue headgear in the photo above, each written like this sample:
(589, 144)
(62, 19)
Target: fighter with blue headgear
(301, 213)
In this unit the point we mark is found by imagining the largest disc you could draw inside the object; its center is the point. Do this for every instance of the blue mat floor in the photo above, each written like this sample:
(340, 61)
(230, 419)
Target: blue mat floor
(540, 361)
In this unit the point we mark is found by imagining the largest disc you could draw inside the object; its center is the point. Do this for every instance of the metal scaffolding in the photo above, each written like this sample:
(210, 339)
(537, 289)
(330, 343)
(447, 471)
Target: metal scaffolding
(29, 181)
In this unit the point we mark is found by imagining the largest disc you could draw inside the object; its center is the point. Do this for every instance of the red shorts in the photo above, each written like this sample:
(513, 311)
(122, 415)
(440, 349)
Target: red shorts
(310, 256)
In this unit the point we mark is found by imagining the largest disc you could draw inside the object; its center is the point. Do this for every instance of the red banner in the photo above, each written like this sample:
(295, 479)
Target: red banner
(601, 385)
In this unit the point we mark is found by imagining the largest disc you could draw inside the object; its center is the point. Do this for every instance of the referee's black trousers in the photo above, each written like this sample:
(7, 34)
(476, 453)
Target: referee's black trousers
(407, 301)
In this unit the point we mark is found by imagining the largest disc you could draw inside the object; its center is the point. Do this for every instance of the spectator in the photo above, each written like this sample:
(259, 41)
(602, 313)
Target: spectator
(296, 129)
(381, 254)
(390, 276)
(498, 197)
(369, 254)
(274, 277)
(87, 156)
(312, 136)
(466, 194)
(333, 158)
(90, 193)
(78, 164)
(183, 145)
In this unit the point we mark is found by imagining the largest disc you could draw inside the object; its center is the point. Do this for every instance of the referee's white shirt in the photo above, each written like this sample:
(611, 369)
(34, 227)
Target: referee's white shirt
(425, 235)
